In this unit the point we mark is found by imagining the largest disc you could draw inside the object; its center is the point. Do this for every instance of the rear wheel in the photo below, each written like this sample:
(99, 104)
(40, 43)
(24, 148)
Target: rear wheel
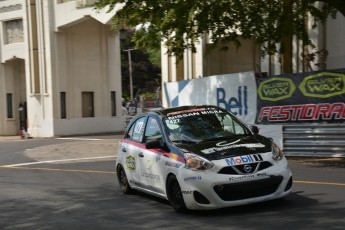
(123, 182)
(175, 195)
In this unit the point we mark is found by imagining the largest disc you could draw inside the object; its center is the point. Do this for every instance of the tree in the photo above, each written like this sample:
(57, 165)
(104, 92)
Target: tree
(181, 23)
(145, 71)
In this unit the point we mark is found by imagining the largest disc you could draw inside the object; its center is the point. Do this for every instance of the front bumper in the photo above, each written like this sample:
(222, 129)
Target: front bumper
(211, 190)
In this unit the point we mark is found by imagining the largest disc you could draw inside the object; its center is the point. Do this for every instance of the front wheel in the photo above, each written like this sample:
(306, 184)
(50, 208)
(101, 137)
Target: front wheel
(123, 182)
(175, 195)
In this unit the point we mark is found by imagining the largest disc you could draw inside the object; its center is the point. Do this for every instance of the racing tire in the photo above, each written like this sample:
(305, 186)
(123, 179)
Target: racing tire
(175, 196)
(123, 182)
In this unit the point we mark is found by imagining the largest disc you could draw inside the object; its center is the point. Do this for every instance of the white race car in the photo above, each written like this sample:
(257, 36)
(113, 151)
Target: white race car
(200, 157)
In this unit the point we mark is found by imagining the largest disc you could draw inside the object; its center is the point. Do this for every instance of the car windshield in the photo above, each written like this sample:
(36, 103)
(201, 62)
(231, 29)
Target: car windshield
(203, 124)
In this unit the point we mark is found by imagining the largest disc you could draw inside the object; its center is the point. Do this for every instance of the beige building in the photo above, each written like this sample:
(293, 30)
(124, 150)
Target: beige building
(60, 69)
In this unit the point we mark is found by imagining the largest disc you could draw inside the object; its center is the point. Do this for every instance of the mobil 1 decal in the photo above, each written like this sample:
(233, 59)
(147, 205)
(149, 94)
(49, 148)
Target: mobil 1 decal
(304, 97)
(245, 159)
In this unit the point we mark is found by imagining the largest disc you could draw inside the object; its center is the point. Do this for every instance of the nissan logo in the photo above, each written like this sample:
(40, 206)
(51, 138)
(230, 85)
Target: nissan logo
(247, 168)
(220, 187)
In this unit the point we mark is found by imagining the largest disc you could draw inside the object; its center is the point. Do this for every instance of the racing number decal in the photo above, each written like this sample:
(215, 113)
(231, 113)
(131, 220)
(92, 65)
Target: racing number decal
(138, 127)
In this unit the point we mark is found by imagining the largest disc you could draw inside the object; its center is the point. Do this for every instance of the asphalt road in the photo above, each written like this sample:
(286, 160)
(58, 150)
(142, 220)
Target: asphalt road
(71, 184)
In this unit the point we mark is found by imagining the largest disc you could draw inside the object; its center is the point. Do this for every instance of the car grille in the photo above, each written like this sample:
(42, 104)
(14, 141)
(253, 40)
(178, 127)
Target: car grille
(240, 169)
(248, 189)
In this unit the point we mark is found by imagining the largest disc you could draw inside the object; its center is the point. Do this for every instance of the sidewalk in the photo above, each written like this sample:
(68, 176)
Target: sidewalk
(9, 138)
(17, 137)
(90, 148)
(81, 148)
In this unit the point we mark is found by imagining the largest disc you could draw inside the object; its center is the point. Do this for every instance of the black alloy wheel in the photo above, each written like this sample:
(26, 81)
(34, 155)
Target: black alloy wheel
(175, 195)
(123, 182)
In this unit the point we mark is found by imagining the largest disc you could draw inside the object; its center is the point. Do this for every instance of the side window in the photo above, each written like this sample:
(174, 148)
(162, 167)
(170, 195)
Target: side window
(153, 132)
(231, 125)
(227, 123)
(136, 131)
(238, 129)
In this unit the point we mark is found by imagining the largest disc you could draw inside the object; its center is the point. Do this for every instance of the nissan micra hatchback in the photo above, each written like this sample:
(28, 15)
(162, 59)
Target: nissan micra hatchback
(200, 157)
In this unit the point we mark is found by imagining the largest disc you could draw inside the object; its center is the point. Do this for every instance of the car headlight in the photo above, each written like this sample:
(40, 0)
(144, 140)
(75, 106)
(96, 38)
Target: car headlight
(195, 162)
(277, 154)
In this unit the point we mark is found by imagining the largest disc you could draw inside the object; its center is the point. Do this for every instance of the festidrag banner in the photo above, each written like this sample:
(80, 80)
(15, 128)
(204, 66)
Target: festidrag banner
(234, 92)
(305, 97)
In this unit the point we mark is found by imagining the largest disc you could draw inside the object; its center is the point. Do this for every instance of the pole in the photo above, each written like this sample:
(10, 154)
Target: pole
(130, 72)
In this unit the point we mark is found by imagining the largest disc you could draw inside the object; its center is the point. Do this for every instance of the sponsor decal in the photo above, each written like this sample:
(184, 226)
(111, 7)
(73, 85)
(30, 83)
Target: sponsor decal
(175, 118)
(148, 165)
(244, 159)
(150, 176)
(238, 106)
(158, 157)
(130, 163)
(224, 143)
(187, 192)
(172, 118)
(323, 85)
(192, 178)
(173, 156)
(276, 89)
(211, 111)
(241, 177)
(244, 177)
(261, 174)
(224, 146)
(186, 113)
(173, 164)
(306, 112)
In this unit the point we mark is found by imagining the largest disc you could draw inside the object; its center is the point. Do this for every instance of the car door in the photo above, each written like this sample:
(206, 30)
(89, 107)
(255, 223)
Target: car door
(131, 148)
(151, 165)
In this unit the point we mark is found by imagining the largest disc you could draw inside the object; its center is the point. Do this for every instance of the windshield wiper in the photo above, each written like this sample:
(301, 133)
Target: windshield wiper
(184, 141)
(226, 137)
(218, 138)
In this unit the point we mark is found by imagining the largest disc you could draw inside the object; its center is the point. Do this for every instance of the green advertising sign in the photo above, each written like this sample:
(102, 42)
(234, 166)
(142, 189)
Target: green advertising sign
(276, 89)
(302, 97)
(323, 85)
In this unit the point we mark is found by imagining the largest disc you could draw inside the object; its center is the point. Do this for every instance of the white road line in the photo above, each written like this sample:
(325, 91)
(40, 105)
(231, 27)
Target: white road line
(79, 139)
(53, 161)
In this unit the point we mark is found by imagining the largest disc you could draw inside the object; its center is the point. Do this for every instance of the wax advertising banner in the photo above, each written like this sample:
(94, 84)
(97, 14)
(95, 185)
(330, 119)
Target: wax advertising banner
(305, 97)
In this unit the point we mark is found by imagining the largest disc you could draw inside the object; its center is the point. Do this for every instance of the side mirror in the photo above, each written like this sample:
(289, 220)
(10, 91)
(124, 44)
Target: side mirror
(254, 129)
(153, 144)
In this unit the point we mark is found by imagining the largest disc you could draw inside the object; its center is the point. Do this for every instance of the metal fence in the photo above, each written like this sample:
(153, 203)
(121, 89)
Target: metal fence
(326, 140)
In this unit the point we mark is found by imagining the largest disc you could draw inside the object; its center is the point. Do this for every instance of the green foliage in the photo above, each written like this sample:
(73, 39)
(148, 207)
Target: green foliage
(181, 23)
(151, 43)
(149, 95)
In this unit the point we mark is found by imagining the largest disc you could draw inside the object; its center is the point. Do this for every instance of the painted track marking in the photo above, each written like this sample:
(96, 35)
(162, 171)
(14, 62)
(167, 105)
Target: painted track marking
(78, 139)
(319, 183)
(55, 169)
(53, 161)
(109, 172)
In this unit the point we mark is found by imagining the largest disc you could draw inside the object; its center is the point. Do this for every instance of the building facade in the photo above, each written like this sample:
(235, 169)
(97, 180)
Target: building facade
(329, 37)
(60, 69)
